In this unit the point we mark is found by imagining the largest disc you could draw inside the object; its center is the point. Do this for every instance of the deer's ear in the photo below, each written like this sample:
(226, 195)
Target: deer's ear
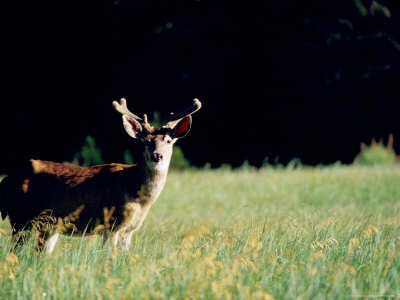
(182, 128)
(132, 127)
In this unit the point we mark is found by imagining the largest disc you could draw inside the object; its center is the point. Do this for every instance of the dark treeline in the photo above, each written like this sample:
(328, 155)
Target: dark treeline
(287, 79)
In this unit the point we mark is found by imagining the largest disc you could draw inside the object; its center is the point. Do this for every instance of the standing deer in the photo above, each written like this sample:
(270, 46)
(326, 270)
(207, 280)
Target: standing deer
(54, 198)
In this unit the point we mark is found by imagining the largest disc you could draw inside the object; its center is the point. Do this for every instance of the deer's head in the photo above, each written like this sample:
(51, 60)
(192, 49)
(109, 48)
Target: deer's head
(158, 141)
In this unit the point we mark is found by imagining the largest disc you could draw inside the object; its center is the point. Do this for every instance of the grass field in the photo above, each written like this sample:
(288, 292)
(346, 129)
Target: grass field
(308, 233)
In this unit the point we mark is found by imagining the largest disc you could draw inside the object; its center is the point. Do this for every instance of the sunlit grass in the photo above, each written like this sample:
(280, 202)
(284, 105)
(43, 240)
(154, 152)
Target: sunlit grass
(310, 233)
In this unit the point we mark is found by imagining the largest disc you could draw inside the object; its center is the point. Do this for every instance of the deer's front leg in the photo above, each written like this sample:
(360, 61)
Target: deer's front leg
(125, 240)
(132, 218)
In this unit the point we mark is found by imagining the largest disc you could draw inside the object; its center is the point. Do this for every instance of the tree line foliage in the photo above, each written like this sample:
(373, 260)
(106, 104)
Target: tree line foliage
(377, 153)
(288, 79)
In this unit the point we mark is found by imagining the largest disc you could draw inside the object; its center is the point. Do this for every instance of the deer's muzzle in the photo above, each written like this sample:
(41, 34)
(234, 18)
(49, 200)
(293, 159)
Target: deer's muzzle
(156, 157)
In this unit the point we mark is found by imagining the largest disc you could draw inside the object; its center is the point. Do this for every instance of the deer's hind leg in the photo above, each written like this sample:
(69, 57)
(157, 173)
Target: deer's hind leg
(47, 230)
(46, 240)
(51, 243)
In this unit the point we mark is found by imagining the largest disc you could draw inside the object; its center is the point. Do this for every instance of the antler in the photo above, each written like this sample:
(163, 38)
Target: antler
(123, 109)
(188, 111)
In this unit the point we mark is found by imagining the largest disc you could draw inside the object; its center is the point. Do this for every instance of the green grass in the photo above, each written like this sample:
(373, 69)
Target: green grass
(309, 233)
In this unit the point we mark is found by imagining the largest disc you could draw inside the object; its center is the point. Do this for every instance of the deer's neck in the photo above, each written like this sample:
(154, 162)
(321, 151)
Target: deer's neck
(152, 184)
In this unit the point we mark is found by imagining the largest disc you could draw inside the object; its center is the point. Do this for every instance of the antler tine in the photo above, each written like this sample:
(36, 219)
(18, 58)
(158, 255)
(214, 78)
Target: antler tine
(188, 111)
(123, 109)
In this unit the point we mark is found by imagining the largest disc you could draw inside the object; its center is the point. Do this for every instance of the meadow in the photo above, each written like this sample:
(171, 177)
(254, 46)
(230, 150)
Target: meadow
(273, 233)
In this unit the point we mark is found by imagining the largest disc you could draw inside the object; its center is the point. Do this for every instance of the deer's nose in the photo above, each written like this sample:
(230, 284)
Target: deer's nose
(156, 157)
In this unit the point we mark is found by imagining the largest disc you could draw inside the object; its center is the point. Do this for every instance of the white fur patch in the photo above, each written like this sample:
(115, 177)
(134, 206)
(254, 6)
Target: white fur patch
(51, 242)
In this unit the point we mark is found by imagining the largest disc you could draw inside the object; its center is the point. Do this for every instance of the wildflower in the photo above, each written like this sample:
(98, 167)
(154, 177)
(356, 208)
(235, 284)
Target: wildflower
(262, 296)
(353, 244)
(111, 283)
(11, 258)
(247, 263)
(210, 259)
(371, 229)
(328, 221)
(313, 271)
(348, 268)
(188, 242)
(218, 290)
(135, 258)
(318, 255)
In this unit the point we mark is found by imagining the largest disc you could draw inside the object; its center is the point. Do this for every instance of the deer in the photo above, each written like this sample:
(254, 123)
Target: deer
(49, 198)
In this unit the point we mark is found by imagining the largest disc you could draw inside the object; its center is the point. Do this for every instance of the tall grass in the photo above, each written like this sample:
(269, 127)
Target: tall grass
(308, 233)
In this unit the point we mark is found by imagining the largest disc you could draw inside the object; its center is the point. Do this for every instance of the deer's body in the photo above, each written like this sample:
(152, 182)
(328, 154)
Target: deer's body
(87, 189)
(57, 198)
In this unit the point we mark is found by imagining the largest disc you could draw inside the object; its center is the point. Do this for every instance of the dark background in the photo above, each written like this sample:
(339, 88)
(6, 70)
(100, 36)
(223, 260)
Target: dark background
(280, 79)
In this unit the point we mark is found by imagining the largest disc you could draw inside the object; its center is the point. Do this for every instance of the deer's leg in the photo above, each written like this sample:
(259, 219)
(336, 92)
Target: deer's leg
(51, 242)
(45, 240)
(132, 218)
(125, 240)
(121, 239)
(47, 231)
